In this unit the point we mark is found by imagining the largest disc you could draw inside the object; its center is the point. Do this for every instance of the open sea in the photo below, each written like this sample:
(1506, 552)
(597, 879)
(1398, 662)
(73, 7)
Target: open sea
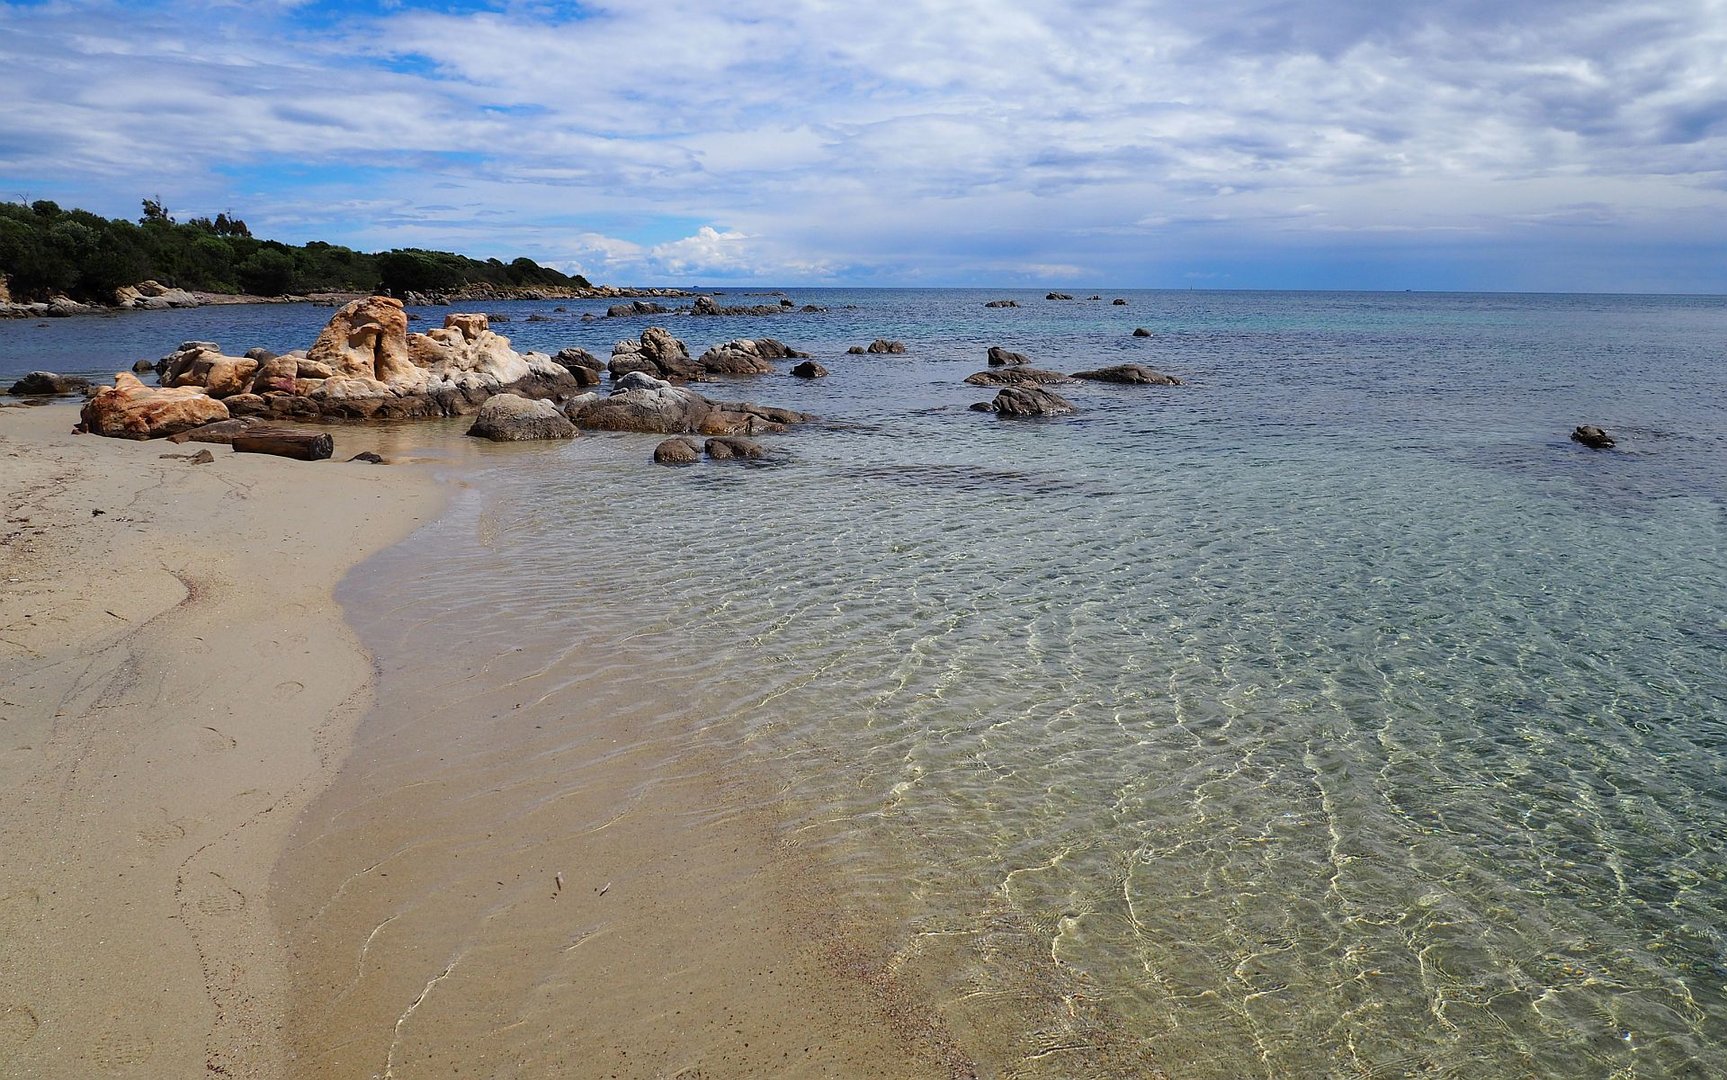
(1331, 715)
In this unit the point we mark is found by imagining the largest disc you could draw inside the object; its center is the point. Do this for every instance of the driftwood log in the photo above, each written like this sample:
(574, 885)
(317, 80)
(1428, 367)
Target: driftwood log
(301, 445)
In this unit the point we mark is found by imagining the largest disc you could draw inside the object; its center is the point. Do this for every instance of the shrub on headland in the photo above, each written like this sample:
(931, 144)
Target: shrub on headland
(45, 251)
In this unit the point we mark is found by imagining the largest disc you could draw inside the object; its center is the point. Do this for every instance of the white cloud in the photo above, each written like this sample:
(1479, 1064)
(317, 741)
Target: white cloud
(927, 137)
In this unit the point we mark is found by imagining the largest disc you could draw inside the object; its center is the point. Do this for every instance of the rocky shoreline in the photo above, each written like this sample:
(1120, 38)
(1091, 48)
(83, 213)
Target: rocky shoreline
(154, 296)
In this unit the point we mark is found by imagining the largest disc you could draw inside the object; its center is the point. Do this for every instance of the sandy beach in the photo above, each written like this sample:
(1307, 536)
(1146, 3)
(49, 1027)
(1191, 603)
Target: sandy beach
(178, 682)
(199, 853)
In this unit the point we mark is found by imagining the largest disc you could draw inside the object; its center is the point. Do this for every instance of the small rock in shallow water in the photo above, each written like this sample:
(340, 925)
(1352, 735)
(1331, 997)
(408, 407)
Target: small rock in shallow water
(677, 452)
(1141, 331)
(1593, 437)
(730, 449)
(809, 369)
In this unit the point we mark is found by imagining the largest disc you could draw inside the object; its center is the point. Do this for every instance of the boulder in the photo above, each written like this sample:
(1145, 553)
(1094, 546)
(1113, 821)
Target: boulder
(771, 414)
(1017, 376)
(1119, 302)
(131, 410)
(1140, 331)
(878, 347)
(1002, 303)
(739, 357)
(49, 384)
(1000, 357)
(1058, 296)
(246, 405)
(733, 449)
(1593, 437)
(368, 339)
(746, 357)
(508, 418)
(634, 307)
(678, 451)
(1023, 401)
(658, 353)
(663, 410)
(809, 369)
(228, 375)
(144, 367)
(1134, 374)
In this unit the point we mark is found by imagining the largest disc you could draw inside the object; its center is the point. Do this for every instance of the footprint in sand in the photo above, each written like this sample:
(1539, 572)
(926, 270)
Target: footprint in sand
(17, 1024)
(213, 742)
(157, 834)
(216, 898)
(285, 690)
(119, 1050)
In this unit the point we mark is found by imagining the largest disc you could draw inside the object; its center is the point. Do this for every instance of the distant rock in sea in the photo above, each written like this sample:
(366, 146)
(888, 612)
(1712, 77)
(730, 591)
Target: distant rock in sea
(1026, 401)
(1136, 374)
(1593, 437)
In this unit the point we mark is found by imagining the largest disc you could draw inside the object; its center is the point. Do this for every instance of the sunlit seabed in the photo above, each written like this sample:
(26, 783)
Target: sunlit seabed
(1329, 716)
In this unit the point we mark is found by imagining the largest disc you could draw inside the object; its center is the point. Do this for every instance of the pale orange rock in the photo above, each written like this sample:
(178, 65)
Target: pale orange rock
(229, 375)
(367, 339)
(131, 410)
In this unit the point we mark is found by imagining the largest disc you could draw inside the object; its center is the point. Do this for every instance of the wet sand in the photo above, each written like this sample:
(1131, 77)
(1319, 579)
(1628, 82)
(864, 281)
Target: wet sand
(176, 682)
(227, 857)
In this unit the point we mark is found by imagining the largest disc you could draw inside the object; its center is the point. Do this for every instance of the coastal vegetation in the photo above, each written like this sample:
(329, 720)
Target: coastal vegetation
(47, 251)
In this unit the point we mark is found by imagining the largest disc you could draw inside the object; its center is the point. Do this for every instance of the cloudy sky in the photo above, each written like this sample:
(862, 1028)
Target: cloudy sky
(1381, 144)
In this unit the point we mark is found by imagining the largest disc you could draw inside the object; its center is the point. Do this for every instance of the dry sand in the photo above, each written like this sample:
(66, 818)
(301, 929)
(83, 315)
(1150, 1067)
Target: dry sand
(213, 868)
(176, 683)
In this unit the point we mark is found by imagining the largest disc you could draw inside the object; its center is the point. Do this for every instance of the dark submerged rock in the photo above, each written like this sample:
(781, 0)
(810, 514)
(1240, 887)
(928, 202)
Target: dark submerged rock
(1593, 437)
(1135, 374)
(48, 384)
(1027, 401)
(734, 449)
(1002, 303)
(878, 347)
(1140, 331)
(809, 369)
(1017, 376)
(1119, 302)
(1000, 357)
(678, 451)
(1058, 296)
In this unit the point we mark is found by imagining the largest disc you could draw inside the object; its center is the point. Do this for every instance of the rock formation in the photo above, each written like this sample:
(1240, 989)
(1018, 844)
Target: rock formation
(1002, 303)
(508, 418)
(1000, 357)
(131, 410)
(1136, 374)
(1017, 376)
(809, 369)
(1058, 296)
(878, 347)
(746, 357)
(1593, 437)
(678, 451)
(657, 353)
(152, 296)
(1023, 401)
(48, 384)
(733, 449)
(1140, 331)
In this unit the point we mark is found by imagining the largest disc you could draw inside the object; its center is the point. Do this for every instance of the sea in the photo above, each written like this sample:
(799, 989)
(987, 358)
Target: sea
(1331, 714)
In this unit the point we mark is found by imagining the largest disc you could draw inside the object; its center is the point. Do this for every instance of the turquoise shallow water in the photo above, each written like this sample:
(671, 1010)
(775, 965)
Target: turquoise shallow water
(1332, 715)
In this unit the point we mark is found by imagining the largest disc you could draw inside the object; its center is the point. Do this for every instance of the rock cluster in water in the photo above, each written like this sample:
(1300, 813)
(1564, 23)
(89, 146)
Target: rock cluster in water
(365, 365)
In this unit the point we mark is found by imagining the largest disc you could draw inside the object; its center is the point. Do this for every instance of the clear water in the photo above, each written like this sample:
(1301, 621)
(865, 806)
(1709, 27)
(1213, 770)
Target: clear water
(1331, 715)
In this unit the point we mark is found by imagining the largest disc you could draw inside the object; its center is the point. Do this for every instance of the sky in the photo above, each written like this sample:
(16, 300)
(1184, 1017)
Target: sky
(1518, 145)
